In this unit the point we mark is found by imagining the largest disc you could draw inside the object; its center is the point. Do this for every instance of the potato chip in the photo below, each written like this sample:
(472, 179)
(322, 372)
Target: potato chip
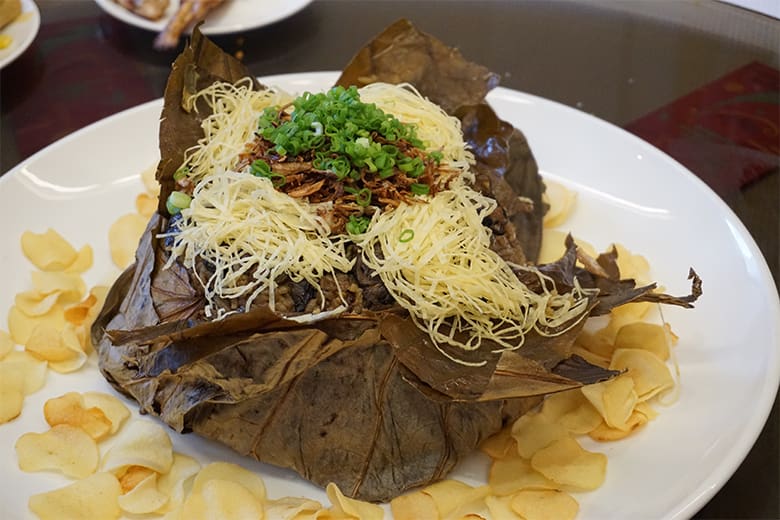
(513, 473)
(146, 204)
(351, 507)
(545, 505)
(114, 409)
(69, 286)
(572, 410)
(289, 508)
(64, 448)
(44, 343)
(452, 495)
(500, 508)
(178, 481)
(149, 178)
(141, 443)
(123, 236)
(27, 369)
(20, 325)
(651, 376)
(590, 357)
(567, 463)
(219, 498)
(614, 399)
(534, 431)
(95, 497)
(499, 445)
(414, 506)
(645, 409)
(631, 265)
(645, 336)
(131, 476)
(604, 433)
(554, 245)
(6, 344)
(70, 340)
(48, 251)
(561, 201)
(601, 342)
(70, 409)
(35, 303)
(83, 261)
(77, 313)
(143, 497)
(232, 472)
(11, 398)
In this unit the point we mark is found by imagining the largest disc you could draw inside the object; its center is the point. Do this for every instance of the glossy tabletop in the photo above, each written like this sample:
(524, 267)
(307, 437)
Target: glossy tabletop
(642, 65)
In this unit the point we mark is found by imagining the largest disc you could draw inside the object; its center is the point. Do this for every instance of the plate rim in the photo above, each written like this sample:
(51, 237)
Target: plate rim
(123, 15)
(28, 6)
(706, 489)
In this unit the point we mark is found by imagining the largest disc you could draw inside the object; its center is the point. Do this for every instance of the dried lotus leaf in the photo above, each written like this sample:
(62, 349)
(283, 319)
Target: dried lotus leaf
(48, 251)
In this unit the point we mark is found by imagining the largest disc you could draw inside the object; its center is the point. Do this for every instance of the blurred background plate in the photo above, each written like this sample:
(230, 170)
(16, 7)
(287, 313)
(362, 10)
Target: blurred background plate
(22, 31)
(232, 16)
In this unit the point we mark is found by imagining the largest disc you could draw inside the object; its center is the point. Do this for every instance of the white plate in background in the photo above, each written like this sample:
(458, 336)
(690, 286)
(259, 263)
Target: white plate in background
(628, 192)
(22, 31)
(232, 16)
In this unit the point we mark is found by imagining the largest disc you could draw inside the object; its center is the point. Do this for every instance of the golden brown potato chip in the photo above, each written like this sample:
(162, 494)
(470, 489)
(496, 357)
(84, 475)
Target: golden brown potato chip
(567, 463)
(219, 498)
(414, 506)
(291, 508)
(601, 342)
(500, 508)
(614, 399)
(143, 497)
(123, 236)
(30, 370)
(131, 476)
(561, 201)
(12, 399)
(145, 204)
(70, 339)
(114, 410)
(69, 286)
(572, 410)
(233, 473)
(590, 357)
(651, 376)
(534, 431)
(645, 336)
(513, 473)
(604, 433)
(6, 344)
(148, 177)
(179, 477)
(93, 497)
(554, 245)
(21, 325)
(499, 445)
(453, 495)
(645, 409)
(352, 508)
(83, 261)
(35, 303)
(631, 265)
(70, 409)
(48, 251)
(545, 505)
(64, 448)
(140, 443)
(44, 343)
(77, 313)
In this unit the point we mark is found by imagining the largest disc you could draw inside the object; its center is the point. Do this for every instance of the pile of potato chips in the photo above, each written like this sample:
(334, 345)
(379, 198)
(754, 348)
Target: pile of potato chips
(536, 463)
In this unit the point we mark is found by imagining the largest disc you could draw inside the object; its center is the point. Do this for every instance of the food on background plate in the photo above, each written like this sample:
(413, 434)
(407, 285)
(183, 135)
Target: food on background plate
(320, 267)
(9, 11)
(151, 9)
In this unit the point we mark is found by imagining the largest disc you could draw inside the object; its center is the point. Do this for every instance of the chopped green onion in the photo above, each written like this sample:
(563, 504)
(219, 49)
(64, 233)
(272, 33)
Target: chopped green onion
(260, 168)
(420, 189)
(181, 173)
(363, 197)
(406, 235)
(357, 225)
(177, 201)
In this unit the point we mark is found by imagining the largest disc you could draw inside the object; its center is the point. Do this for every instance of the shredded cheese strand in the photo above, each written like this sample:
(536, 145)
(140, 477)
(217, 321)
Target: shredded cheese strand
(452, 283)
(231, 125)
(437, 129)
(251, 234)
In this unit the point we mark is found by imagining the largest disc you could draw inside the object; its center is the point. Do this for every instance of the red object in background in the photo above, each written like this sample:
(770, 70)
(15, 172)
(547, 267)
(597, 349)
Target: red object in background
(727, 132)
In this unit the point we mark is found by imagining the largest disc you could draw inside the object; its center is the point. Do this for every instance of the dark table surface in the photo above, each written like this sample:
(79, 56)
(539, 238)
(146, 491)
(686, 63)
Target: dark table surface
(617, 60)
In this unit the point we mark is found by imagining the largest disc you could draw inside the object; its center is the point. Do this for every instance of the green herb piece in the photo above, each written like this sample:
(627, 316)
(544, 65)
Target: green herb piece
(357, 225)
(177, 201)
(406, 235)
(420, 189)
(181, 173)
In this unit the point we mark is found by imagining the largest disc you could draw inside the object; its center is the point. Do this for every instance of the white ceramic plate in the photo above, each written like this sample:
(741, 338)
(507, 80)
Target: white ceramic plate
(232, 16)
(22, 31)
(628, 191)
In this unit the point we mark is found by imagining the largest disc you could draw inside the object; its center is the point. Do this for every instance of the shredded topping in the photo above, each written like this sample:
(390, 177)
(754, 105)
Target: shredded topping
(435, 259)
